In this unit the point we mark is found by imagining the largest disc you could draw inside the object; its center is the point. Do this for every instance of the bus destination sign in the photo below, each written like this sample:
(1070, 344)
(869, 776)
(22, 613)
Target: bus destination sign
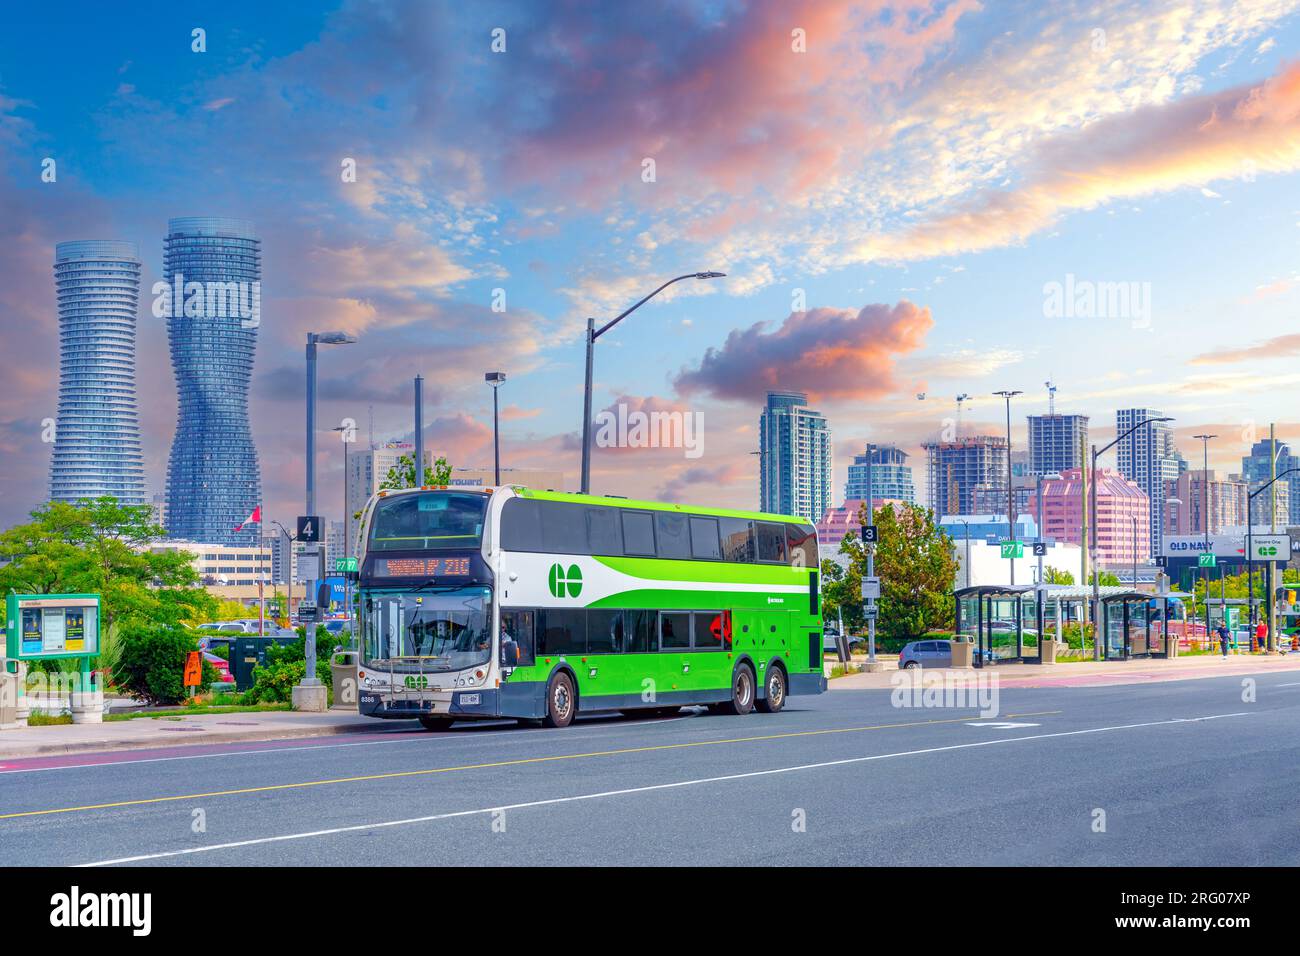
(422, 567)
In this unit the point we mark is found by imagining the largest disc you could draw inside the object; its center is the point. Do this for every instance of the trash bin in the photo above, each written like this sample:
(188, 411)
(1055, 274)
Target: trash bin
(8, 700)
(1047, 651)
(343, 674)
(963, 654)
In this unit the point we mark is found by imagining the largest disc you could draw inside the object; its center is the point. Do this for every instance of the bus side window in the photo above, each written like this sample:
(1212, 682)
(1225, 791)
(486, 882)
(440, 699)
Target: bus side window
(802, 543)
(518, 627)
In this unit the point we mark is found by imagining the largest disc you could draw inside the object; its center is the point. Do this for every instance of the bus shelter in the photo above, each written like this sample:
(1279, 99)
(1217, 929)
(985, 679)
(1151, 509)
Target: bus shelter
(992, 616)
(1136, 624)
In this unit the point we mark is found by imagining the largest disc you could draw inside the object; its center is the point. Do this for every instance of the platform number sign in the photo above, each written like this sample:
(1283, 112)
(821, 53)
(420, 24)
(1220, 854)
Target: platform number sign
(870, 534)
(1040, 549)
(308, 528)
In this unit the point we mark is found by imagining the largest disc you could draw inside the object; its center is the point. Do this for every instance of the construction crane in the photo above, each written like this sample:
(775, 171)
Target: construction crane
(963, 397)
(1051, 397)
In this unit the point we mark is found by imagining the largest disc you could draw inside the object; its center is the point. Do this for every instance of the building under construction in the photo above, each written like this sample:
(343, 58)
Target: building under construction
(955, 469)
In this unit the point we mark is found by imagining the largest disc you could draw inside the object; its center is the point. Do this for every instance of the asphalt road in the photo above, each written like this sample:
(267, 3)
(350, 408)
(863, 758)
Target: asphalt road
(1176, 773)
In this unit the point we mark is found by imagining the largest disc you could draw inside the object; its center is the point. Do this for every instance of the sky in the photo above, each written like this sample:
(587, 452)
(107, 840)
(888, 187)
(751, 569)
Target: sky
(907, 198)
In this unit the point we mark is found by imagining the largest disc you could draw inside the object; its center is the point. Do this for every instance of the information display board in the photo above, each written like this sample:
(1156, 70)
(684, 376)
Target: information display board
(47, 626)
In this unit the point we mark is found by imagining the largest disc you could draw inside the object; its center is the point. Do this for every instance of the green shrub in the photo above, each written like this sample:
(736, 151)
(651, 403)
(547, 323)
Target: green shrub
(151, 662)
(274, 682)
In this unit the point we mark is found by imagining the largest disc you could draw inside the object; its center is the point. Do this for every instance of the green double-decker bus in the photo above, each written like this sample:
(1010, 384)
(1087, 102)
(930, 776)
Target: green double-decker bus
(511, 602)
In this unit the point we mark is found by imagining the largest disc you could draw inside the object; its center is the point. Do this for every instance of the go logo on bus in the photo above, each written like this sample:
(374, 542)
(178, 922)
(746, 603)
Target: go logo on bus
(417, 681)
(565, 582)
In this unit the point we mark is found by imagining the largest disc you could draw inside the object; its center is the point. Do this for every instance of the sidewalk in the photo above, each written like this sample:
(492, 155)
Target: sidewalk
(1096, 673)
(176, 730)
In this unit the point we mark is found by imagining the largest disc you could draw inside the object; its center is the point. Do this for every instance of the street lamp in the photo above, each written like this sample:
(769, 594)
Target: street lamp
(310, 680)
(1097, 625)
(1250, 557)
(496, 380)
(288, 597)
(345, 431)
(592, 334)
(1205, 517)
(1011, 520)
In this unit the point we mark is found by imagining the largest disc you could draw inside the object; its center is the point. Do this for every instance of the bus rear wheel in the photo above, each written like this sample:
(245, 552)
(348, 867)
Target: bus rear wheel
(433, 722)
(560, 702)
(742, 691)
(776, 691)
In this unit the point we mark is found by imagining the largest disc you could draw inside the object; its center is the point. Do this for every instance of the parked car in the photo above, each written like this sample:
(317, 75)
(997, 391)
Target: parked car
(222, 667)
(933, 654)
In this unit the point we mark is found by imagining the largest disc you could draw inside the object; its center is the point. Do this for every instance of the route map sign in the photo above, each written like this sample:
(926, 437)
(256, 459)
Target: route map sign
(51, 626)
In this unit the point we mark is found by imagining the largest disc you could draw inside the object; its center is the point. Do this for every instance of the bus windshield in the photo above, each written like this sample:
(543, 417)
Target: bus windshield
(442, 630)
(428, 521)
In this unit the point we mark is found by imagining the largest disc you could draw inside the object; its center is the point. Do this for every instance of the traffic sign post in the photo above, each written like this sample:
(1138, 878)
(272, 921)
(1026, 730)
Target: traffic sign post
(1206, 561)
(870, 537)
(345, 565)
(1013, 549)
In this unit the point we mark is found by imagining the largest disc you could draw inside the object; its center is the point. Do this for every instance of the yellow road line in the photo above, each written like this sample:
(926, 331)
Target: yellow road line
(521, 761)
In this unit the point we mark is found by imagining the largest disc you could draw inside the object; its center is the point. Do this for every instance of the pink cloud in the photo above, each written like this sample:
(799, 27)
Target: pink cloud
(828, 353)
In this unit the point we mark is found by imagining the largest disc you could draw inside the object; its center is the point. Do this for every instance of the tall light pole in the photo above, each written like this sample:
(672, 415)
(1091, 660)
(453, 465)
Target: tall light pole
(1250, 554)
(288, 547)
(344, 431)
(594, 333)
(496, 380)
(309, 630)
(1205, 518)
(1011, 518)
(1098, 625)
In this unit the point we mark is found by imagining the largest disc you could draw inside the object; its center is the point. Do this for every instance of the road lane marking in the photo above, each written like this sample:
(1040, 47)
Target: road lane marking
(496, 764)
(1000, 724)
(679, 784)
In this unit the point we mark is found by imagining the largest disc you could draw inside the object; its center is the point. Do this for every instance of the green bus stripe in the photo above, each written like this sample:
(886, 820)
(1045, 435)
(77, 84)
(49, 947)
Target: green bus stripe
(722, 572)
(669, 599)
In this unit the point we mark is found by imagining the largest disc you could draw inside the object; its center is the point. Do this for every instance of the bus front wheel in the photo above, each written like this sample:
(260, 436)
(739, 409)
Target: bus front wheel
(775, 698)
(742, 690)
(436, 723)
(560, 702)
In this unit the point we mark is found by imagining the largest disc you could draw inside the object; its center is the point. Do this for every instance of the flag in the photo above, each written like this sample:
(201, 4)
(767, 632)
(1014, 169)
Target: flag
(254, 518)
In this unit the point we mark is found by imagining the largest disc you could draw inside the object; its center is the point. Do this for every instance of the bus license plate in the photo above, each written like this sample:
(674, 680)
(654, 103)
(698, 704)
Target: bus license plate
(469, 700)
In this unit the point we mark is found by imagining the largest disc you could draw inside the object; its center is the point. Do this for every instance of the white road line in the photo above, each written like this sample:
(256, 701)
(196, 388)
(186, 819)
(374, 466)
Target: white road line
(1295, 684)
(399, 737)
(554, 801)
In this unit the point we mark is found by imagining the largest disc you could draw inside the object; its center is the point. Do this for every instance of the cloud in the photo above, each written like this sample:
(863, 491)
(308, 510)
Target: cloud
(1235, 133)
(1281, 346)
(828, 353)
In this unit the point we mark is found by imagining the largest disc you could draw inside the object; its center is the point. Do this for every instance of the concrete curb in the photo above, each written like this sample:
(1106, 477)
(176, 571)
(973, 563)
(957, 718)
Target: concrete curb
(158, 739)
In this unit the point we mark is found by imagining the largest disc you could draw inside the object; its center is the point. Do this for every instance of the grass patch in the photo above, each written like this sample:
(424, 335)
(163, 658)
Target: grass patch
(197, 709)
(37, 719)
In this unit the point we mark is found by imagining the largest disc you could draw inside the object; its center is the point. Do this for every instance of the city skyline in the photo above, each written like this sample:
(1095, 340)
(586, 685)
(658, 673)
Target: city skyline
(959, 274)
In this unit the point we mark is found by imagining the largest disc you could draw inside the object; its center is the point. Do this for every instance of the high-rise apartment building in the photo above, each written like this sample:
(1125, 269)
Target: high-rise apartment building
(97, 432)
(1226, 503)
(1122, 515)
(214, 267)
(956, 469)
(794, 457)
(1056, 442)
(891, 475)
(1257, 469)
(1148, 456)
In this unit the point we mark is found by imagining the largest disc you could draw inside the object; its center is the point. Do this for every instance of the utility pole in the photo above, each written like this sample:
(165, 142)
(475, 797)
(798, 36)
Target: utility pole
(871, 553)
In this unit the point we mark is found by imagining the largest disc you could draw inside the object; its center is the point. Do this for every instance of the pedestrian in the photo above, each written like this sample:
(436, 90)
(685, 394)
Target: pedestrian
(1223, 638)
(1261, 634)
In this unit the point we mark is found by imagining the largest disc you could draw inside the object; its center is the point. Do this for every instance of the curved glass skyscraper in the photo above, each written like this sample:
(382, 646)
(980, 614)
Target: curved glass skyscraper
(213, 268)
(97, 439)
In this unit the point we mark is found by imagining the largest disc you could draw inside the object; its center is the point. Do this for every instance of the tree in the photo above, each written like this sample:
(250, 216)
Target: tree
(1106, 580)
(1053, 576)
(916, 567)
(402, 474)
(101, 547)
